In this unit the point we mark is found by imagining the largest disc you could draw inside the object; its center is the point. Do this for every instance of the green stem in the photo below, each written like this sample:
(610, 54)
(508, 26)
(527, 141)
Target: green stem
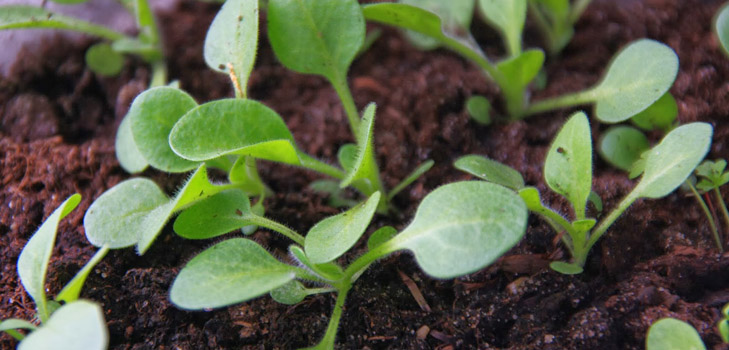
(314, 164)
(345, 95)
(722, 204)
(159, 74)
(569, 100)
(355, 269)
(275, 226)
(577, 9)
(327, 342)
(605, 224)
(707, 213)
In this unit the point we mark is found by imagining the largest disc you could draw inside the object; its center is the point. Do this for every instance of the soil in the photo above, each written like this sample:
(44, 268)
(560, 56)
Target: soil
(658, 260)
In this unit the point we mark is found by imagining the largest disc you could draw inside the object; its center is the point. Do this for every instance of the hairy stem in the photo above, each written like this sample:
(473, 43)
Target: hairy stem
(275, 226)
(569, 100)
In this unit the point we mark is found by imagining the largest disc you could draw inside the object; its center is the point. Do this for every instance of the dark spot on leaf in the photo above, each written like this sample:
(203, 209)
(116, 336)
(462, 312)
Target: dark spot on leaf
(240, 18)
(238, 212)
(221, 67)
(561, 150)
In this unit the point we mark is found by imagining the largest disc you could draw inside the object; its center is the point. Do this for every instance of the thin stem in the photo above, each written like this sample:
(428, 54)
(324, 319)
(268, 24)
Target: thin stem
(722, 204)
(159, 74)
(345, 95)
(707, 213)
(275, 226)
(569, 100)
(354, 270)
(312, 163)
(605, 224)
(327, 342)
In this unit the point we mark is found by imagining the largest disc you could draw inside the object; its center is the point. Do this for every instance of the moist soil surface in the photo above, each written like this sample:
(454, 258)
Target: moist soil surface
(658, 260)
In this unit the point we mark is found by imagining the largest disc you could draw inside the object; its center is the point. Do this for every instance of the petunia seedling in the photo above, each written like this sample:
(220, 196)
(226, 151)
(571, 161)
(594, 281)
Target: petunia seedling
(556, 20)
(712, 175)
(453, 233)
(568, 172)
(673, 334)
(77, 324)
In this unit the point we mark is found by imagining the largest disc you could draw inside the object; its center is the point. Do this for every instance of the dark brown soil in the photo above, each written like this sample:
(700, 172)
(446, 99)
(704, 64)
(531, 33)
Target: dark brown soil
(658, 260)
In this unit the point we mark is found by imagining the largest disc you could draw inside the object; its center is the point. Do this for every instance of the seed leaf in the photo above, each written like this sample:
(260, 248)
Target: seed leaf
(152, 116)
(316, 36)
(233, 39)
(640, 74)
(127, 152)
(382, 235)
(491, 171)
(290, 293)
(72, 290)
(455, 15)
(227, 273)
(363, 167)
(461, 227)
(479, 108)
(522, 69)
(661, 115)
(568, 167)
(673, 334)
(669, 163)
(333, 236)
(17, 17)
(233, 126)
(76, 325)
(103, 60)
(508, 16)
(214, 216)
(565, 268)
(33, 260)
(621, 146)
(721, 28)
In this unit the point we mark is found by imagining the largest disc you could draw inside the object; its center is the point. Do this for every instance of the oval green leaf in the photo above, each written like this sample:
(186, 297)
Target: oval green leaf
(479, 108)
(233, 126)
(673, 334)
(621, 146)
(672, 161)
(214, 216)
(507, 16)
(490, 170)
(568, 165)
(333, 236)
(382, 235)
(565, 268)
(462, 227)
(103, 60)
(227, 273)
(637, 77)
(316, 36)
(721, 27)
(290, 293)
(127, 152)
(522, 69)
(364, 166)
(75, 326)
(661, 115)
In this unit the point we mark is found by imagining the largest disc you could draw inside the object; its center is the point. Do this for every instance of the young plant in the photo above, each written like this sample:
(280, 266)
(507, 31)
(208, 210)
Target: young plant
(568, 171)
(556, 19)
(637, 77)
(103, 58)
(712, 176)
(673, 334)
(454, 233)
(76, 324)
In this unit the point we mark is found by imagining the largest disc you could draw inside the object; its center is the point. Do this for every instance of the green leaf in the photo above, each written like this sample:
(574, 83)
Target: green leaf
(244, 174)
(316, 36)
(127, 152)
(491, 171)
(214, 216)
(721, 27)
(382, 235)
(336, 195)
(233, 126)
(565, 268)
(233, 39)
(227, 273)
(508, 17)
(11, 325)
(347, 156)
(19, 17)
(621, 146)
(670, 162)
(455, 15)
(152, 115)
(33, 260)
(364, 167)
(330, 271)
(724, 330)
(479, 108)
(596, 201)
(72, 290)
(568, 165)
(103, 60)
(522, 69)
(461, 227)
(75, 326)
(290, 293)
(673, 334)
(637, 77)
(333, 236)
(414, 175)
(713, 174)
(661, 115)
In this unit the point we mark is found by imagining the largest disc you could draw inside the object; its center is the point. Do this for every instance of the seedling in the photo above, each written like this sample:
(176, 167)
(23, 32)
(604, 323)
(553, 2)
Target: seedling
(454, 233)
(673, 334)
(556, 19)
(712, 177)
(568, 171)
(103, 58)
(75, 324)
(637, 77)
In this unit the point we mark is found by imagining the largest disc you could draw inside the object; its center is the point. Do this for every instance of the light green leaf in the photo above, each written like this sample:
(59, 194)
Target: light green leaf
(508, 16)
(347, 156)
(244, 174)
(479, 108)
(33, 260)
(637, 77)
(568, 165)
(364, 167)
(522, 69)
(724, 330)
(233, 39)
(316, 36)
(19, 17)
(330, 271)
(382, 235)
(333, 236)
(127, 152)
(461, 227)
(670, 162)
(596, 201)
(233, 126)
(531, 197)
(455, 15)
(72, 290)
(721, 27)
(103, 60)
(566, 268)
(214, 216)
(673, 334)
(79, 325)
(290, 293)
(621, 146)
(490, 170)
(227, 273)
(414, 175)
(661, 115)
(152, 115)
(11, 325)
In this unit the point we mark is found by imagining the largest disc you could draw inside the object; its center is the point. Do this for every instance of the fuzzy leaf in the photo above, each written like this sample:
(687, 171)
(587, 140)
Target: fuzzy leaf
(522, 69)
(455, 15)
(152, 115)
(33, 260)
(621, 146)
(491, 171)
(661, 115)
(508, 16)
(214, 216)
(382, 235)
(103, 60)
(290, 293)
(673, 334)
(233, 39)
(233, 126)
(364, 167)
(18, 17)
(316, 36)
(127, 152)
(669, 163)
(461, 227)
(637, 77)
(568, 165)
(79, 325)
(227, 273)
(333, 236)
